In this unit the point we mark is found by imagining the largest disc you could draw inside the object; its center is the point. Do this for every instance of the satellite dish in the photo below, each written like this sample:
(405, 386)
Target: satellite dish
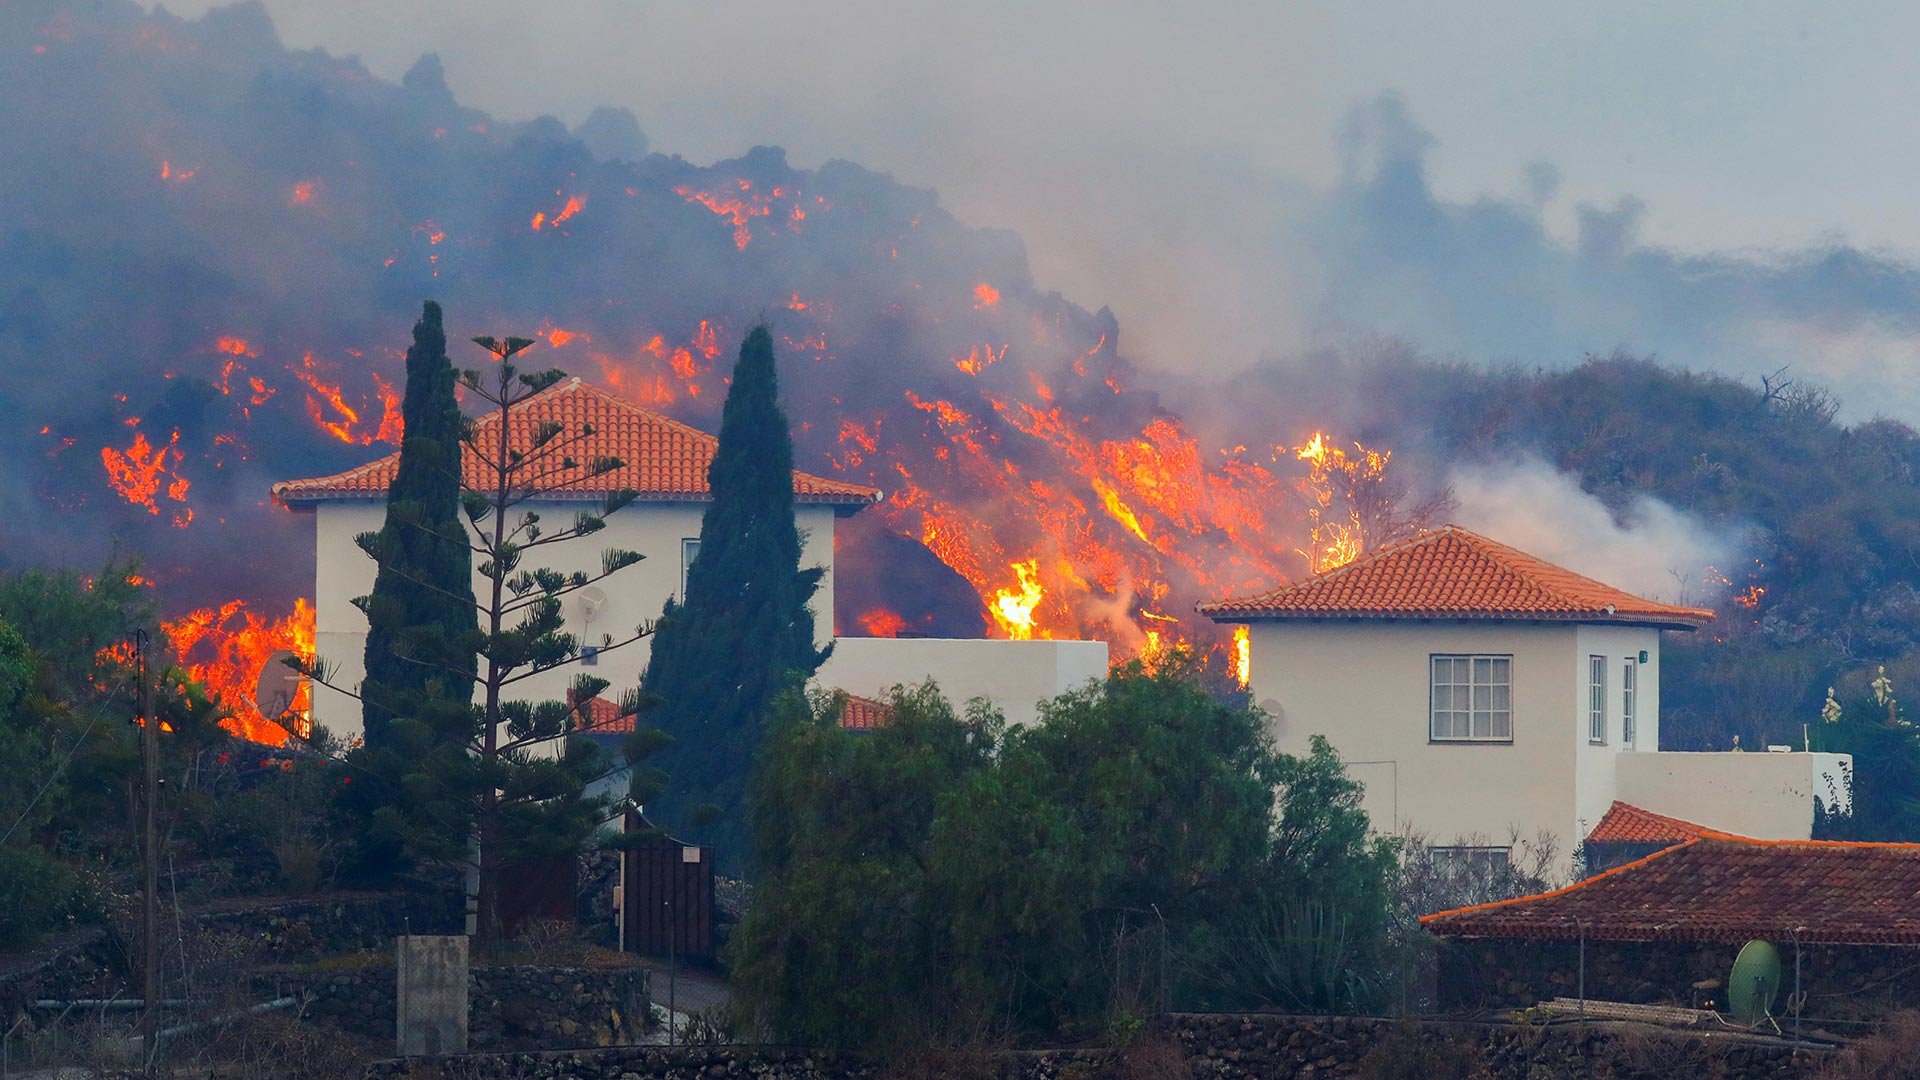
(591, 598)
(1755, 982)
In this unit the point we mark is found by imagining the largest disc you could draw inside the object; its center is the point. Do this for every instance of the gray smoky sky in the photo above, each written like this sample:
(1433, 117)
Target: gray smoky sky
(1205, 168)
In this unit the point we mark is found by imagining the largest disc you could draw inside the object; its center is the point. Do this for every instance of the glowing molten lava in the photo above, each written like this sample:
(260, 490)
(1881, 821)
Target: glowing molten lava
(324, 398)
(144, 475)
(879, 622)
(228, 647)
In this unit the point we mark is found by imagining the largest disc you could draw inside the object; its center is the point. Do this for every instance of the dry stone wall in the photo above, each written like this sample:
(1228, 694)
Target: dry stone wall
(511, 1008)
(1212, 1047)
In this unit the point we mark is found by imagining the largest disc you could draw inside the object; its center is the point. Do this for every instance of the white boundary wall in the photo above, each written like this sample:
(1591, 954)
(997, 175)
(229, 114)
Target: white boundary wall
(1013, 676)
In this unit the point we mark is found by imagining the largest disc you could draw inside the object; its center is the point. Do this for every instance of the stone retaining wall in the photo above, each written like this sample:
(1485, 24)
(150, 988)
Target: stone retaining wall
(511, 1008)
(1215, 1047)
(1841, 982)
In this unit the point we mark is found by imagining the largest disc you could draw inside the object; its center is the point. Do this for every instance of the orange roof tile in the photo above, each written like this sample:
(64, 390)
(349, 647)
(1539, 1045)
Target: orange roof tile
(1450, 573)
(1722, 888)
(856, 714)
(864, 714)
(665, 459)
(1625, 823)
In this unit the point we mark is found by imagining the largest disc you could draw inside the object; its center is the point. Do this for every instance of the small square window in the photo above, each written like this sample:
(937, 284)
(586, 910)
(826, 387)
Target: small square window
(1471, 699)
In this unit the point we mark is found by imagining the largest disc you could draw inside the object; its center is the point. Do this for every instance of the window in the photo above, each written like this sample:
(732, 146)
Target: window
(1472, 699)
(1629, 693)
(589, 656)
(689, 551)
(1478, 863)
(1596, 699)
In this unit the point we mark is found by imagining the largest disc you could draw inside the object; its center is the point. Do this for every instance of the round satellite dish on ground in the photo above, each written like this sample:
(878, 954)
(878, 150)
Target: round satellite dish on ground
(1755, 982)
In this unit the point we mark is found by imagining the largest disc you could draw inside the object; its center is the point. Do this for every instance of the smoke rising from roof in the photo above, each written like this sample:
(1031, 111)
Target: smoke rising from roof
(1651, 549)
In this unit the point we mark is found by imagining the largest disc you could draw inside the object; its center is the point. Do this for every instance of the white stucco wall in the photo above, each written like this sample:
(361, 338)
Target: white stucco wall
(633, 596)
(1595, 772)
(1014, 676)
(1762, 795)
(1366, 685)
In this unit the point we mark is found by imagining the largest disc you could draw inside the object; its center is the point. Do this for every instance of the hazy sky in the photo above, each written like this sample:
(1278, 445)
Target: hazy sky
(1089, 128)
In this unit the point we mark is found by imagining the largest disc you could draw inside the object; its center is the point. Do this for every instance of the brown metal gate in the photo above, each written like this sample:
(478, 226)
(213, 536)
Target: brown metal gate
(537, 892)
(668, 894)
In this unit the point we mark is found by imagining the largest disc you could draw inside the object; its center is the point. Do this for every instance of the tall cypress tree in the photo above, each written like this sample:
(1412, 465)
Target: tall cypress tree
(744, 631)
(422, 599)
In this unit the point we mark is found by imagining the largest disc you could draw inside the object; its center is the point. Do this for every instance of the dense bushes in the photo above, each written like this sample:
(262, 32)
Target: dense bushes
(1141, 847)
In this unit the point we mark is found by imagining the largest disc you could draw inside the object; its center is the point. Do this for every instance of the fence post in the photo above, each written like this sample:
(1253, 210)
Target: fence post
(430, 994)
(1580, 928)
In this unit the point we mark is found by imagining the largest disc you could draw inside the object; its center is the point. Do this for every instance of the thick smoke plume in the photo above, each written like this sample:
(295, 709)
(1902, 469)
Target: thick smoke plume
(1651, 549)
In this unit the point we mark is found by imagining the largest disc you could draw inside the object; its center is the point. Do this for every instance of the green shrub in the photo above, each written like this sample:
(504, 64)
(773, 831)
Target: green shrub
(37, 894)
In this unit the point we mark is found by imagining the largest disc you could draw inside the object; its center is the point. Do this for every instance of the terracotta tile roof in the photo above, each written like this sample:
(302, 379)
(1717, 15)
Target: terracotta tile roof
(856, 714)
(864, 714)
(665, 459)
(603, 717)
(1722, 888)
(1625, 823)
(1450, 573)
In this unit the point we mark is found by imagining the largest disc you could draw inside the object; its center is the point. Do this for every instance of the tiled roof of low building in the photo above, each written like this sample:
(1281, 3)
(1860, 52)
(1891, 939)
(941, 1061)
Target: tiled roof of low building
(1625, 823)
(1450, 573)
(864, 714)
(603, 717)
(1722, 888)
(665, 460)
(856, 714)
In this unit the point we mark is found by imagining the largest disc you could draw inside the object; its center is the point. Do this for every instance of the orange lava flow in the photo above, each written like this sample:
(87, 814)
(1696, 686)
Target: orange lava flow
(325, 399)
(228, 647)
(146, 475)
(879, 622)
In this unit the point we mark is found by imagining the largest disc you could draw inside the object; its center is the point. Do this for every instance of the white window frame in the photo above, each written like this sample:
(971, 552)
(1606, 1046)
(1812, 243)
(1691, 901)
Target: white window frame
(1629, 700)
(1456, 860)
(689, 551)
(1459, 698)
(1597, 700)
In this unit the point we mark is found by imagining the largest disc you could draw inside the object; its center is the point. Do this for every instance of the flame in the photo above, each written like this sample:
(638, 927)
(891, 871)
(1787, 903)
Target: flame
(228, 647)
(742, 205)
(323, 396)
(557, 337)
(979, 359)
(142, 472)
(1012, 608)
(539, 219)
(1333, 542)
(574, 205)
(879, 622)
(1242, 656)
(985, 296)
(302, 192)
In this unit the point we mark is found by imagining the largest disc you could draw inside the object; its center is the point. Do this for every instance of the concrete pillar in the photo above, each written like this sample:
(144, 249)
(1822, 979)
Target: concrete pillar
(431, 994)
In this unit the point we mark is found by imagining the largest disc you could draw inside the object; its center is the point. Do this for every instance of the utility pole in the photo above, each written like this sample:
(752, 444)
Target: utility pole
(149, 857)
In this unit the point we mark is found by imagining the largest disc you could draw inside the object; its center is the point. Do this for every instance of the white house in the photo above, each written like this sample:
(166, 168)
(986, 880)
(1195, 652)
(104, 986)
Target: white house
(1479, 692)
(666, 462)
